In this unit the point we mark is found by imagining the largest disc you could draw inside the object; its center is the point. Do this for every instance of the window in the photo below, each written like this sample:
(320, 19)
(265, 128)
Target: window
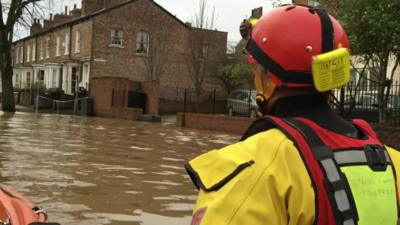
(28, 79)
(28, 53)
(58, 46)
(54, 79)
(48, 48)
(77, 42)
(142, 43)
(41, 49)
(21, 54)
(66, 44)
(203, 53)
(17, 80)
(17, 55)
(366, 82)
(41, 76)
(116, 37)
(33, 52)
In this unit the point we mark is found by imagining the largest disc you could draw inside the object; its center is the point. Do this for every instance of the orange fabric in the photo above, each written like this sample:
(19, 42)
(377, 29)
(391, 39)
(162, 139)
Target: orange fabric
(18, 208)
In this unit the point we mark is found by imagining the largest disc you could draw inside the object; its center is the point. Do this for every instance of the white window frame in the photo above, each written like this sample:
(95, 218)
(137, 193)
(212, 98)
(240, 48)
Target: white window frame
(67, 42)
(142, 41)
(17, 55)
(17, 80)
(117, 36)
(28, 53)
(33, 52)
(21, 54)
(58, 40)
(77, 41)
(48, 48)
(54, 78)
(41, 48)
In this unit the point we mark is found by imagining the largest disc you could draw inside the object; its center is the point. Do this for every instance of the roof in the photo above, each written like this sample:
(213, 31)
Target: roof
(90, 16)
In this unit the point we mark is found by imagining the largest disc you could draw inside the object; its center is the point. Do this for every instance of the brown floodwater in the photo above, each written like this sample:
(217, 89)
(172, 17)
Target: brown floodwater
(95, 171)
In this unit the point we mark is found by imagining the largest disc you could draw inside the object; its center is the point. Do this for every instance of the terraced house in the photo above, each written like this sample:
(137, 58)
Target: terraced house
(134, 39)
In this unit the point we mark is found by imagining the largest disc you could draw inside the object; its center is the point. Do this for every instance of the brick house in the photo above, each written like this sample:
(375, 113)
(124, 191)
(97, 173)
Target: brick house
(134, 39)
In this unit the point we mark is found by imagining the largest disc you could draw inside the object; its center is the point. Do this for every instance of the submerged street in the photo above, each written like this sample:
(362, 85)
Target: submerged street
(95, 171)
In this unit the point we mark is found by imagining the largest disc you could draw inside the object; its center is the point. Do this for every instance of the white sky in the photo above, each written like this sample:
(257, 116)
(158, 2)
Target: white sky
(229, 13)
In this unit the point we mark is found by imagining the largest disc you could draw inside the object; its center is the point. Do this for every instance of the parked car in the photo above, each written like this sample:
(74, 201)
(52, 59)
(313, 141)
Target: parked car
(242, 102)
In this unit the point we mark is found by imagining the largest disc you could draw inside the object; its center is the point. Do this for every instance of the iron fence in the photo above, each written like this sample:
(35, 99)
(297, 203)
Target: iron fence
(362, 100)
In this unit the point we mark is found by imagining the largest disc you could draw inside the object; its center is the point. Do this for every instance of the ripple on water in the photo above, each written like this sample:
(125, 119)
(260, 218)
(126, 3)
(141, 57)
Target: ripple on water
(96, 171)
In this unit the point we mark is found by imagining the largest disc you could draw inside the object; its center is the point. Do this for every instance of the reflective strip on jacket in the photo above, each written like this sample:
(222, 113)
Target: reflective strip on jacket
(259, 181)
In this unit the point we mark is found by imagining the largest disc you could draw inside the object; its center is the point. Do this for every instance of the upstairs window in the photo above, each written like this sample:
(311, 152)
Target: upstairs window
(48, 48)
(142, 43)
(203, 54)
(28, 53)
(58, 46)
(66, 44)
(17, 55)
(116, 37)
(77, 42)
(41, 49)
(33, 52)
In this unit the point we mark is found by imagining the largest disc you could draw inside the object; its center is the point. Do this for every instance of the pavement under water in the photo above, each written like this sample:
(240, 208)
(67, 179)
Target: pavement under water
(95, 171)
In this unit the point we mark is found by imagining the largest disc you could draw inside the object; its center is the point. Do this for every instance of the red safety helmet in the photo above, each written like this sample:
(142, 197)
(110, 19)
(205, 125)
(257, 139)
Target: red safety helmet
(285, 40)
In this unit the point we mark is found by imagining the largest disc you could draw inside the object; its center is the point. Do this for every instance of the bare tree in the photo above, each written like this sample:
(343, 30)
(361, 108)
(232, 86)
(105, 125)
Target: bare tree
(198, 61)
(15, 14)
(157, 61)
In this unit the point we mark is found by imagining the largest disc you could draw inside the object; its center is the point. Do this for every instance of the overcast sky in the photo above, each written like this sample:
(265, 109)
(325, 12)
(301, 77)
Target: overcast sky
(229, 13)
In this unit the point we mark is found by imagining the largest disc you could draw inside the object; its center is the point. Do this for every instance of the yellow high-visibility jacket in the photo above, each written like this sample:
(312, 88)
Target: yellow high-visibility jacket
(260, 181)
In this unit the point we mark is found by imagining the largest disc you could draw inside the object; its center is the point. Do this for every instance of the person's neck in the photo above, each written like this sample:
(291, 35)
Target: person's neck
(316, 109)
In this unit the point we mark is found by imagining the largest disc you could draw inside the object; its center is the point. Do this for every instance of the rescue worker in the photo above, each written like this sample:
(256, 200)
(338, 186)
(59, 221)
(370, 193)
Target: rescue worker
(301, 164)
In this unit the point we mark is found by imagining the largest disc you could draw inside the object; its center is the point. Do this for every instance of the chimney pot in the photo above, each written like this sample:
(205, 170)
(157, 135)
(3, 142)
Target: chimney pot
(74, 6)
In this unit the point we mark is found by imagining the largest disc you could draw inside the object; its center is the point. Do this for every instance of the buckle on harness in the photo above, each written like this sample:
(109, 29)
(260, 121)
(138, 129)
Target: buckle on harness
(376, 157)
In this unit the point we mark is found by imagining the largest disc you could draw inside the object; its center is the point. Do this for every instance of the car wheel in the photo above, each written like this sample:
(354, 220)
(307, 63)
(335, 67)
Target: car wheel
(230, 111)
(253, 113)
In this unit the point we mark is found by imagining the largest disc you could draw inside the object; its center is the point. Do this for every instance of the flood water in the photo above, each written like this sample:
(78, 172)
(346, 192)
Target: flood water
(94, 171)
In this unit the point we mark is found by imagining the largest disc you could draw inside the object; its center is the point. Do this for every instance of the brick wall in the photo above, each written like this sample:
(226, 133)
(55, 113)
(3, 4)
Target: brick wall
(169, 44)
(222, 123)
(110, 96)
(238, 125)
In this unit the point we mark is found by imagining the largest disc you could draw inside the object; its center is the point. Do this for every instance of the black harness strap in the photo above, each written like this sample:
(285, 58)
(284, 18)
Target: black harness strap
(327, 30)
(338, 188)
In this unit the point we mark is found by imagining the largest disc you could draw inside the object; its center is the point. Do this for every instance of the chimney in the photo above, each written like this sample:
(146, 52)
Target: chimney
(257, 13)
(61, 18)
(76, 12)
(66, 10)
(91, 6)
(51, 16)
(188, 24)
(36, 27)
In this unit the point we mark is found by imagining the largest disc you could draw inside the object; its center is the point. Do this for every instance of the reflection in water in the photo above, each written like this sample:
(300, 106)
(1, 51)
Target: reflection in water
(94, 171)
